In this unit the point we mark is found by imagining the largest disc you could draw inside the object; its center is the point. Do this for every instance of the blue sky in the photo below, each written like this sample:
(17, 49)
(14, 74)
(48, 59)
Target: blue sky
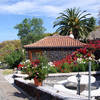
(12, 12)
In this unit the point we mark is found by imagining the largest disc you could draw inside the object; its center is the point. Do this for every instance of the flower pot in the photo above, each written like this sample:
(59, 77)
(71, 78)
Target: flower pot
(37, 83)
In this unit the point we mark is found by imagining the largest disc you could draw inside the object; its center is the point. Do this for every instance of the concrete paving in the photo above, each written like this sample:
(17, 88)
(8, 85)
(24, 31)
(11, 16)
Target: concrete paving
(9, 92)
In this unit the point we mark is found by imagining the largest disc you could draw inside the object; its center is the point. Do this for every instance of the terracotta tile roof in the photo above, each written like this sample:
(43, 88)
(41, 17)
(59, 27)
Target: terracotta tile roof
(56, 41)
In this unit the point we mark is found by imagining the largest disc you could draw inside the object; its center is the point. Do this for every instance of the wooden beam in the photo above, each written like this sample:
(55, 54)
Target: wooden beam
(30, 55)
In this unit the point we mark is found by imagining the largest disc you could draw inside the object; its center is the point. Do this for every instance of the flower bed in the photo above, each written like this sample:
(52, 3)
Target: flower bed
(78, 60)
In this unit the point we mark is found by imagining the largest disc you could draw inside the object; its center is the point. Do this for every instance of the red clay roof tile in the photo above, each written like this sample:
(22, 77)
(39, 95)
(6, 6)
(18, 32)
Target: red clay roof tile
(56, 41)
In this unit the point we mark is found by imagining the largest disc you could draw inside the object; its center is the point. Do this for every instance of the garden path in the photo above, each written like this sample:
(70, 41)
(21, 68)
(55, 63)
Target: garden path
(9, 92)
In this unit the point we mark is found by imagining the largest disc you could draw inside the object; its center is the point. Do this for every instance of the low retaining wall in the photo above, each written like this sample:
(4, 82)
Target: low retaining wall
(45, 92)
(36, 92)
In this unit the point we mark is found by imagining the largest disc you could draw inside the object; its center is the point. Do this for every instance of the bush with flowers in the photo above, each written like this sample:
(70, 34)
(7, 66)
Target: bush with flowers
(37, 69)
(25, 66)
(78, 60)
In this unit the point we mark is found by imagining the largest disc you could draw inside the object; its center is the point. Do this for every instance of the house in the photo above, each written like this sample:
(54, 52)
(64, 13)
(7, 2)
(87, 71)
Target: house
(54, 47)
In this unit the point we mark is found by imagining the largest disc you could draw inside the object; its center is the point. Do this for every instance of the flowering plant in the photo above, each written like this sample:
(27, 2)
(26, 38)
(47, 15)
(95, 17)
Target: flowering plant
(20, 66)
(78, 60)
(38, 73)
(38, 69)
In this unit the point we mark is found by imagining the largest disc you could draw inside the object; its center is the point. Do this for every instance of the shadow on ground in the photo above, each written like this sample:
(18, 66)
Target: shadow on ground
(22, 94)
(19, 95)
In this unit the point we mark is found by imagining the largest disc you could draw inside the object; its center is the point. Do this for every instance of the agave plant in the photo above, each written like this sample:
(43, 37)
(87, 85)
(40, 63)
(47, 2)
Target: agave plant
(76, 22)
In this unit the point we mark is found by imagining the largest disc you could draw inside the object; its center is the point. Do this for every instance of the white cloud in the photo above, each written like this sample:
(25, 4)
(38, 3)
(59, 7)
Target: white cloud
(18, 8)
(47, 7)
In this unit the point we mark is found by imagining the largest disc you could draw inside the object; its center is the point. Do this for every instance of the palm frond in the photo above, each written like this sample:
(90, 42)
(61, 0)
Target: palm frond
(74, 20)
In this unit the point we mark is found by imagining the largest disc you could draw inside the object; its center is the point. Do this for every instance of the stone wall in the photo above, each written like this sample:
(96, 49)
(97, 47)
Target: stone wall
(37, 92)
(54, 55)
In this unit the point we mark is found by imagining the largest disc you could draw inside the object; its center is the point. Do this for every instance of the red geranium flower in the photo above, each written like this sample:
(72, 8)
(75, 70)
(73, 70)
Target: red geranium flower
(88, 54)
(35, 62)
(20, 66)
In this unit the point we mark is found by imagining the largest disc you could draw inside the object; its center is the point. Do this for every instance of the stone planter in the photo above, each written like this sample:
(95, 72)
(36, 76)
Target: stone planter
(37, 83)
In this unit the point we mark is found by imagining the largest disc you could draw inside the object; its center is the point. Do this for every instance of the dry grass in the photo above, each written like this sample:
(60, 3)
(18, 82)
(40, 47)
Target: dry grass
(7, 71)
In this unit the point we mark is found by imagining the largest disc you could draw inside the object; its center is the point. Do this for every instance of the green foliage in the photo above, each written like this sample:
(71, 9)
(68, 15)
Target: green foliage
(85, 67)
(91, 24)
(49, 34)
(1, 66)
(26, 69)
(58, 70)
(66, 68)
(7, 47)
(38, 73)
(74, 21)
(52, 69)
(95, 66)
(79, 67)
(75, 68)
(30, 30)
(43, 61)
(38, 69)
(14, 58)
(31, 38)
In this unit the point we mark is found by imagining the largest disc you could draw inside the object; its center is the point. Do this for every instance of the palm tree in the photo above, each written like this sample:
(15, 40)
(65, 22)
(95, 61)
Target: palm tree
(74, 21)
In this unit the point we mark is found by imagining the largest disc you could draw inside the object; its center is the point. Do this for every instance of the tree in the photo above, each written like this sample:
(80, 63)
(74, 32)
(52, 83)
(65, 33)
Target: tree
(91, 24)
(28, 28)
(31, 38)
(74, 21)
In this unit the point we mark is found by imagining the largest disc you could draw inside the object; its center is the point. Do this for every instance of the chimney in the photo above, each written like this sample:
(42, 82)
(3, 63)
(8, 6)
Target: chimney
(71, 35)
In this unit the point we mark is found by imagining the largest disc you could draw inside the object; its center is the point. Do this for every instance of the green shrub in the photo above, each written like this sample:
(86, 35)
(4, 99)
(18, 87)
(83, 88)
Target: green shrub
(94, 66)
(82, 67)
(58, 70)
(1, 66)
(52, 69)
(66, 67)
(14, 58)
(79, 67)
(85, 67)
(75, 68)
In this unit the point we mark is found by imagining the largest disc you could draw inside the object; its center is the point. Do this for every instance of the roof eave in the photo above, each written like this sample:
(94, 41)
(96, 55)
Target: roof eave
(64, 47)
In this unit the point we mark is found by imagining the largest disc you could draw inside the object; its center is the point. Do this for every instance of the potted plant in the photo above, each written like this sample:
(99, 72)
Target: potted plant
(38, 74)
(38, 70)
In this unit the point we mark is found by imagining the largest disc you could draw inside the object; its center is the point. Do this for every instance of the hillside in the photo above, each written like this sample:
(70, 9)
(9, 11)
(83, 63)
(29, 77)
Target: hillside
(8, 46)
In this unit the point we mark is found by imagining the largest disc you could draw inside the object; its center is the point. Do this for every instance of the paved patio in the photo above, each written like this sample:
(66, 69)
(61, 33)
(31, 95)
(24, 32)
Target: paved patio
(9, 92)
